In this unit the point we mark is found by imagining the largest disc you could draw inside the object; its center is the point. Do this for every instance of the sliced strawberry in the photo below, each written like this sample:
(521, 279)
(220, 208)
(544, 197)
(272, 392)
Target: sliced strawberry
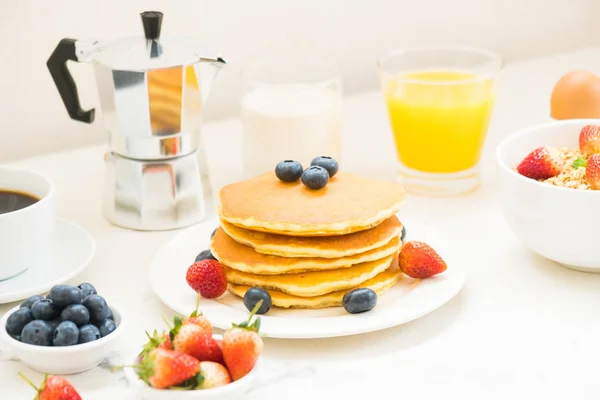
(592, 171)
(541, 163)
(589, 140)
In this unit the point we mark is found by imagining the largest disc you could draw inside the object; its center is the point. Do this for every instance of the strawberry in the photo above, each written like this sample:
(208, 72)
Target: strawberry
(212, 375)
(192, 340)
(541, 163)
(242, 346)
(589, 140)
(163, 368)
(196, 318)
(219, 343)
(54, 388)
(207, 277)
(592, 171)
(418, 260)
(156, 341)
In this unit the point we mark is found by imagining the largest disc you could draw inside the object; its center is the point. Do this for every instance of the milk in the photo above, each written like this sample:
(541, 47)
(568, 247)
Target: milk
(289, 122)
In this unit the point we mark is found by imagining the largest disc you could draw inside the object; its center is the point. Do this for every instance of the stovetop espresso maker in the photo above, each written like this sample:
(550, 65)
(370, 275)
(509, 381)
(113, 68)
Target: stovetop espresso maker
(151, 91)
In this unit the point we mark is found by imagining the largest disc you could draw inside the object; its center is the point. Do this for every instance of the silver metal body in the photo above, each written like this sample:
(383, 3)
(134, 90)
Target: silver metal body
(151, 95)
(155, 195)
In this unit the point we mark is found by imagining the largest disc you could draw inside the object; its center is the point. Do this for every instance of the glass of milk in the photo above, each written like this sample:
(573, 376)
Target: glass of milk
(291, 109)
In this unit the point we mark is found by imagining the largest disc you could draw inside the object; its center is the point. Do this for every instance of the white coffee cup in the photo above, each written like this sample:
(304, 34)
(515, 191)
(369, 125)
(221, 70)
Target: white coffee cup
(25, 234)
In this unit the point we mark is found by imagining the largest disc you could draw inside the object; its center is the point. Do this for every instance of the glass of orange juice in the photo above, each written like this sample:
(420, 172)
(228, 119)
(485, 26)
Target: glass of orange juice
(439, 101)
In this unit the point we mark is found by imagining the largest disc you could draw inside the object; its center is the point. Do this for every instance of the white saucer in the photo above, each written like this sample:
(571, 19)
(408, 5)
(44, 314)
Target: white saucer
(72, 250)
(402, 303)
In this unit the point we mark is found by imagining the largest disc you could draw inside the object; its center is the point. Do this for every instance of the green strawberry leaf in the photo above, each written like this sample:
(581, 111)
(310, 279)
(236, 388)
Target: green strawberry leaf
(178, 322)
(255, 326)
(146, 370)
(196, 313)
(153, 342)
(199, 380)
(580, 162)
(190, 384)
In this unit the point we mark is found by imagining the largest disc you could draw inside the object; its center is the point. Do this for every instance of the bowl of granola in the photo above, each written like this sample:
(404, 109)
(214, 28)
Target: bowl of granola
(549, 190)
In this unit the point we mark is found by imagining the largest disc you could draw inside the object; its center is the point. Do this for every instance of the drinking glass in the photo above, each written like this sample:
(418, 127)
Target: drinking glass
(439, 101)
(291, 109)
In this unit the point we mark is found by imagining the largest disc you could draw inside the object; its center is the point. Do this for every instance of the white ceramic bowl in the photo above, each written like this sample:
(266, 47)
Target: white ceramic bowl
(234, 390)
(63, 360)
(557, 223)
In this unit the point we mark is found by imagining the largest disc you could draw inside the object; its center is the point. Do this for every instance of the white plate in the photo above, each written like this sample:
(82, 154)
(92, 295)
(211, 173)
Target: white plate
(402, 303)
(72, 250)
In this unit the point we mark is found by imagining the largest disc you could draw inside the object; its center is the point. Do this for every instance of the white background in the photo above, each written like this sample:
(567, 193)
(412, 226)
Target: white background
(352, 34)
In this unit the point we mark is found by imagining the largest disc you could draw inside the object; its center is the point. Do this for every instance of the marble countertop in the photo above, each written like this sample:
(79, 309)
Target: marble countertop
(522, 327)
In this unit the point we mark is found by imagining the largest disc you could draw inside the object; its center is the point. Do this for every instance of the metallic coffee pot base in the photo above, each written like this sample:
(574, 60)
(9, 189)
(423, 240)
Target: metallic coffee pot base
(155, 195)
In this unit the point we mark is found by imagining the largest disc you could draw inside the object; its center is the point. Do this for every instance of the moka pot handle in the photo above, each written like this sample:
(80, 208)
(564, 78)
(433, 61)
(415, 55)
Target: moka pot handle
(57, 65)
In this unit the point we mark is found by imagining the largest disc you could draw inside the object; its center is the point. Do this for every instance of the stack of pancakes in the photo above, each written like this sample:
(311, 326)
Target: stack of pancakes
(309, 247)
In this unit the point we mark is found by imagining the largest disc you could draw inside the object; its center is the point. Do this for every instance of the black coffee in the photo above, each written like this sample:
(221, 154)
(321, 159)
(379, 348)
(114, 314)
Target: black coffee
(11, 200)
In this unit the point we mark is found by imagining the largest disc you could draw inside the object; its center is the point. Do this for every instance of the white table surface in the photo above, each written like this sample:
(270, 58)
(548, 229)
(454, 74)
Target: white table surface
(522, 327)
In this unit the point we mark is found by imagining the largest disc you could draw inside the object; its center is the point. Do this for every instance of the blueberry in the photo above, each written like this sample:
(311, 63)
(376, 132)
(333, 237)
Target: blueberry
(87, 289)
(45, 309)
(88, 333)
(212, 235)
(315, 177)
(359, 300)
(254, 295)
(16, 337)
(97, 307)
(328, 163)
(55, 322)
(65, 334)
(205, 255)
(76, 313)
(38, 333)
(17, 320)
(288, 171)
(106, 327)
(110, 315)
(65, 295)
(29, 302)
(403, 233)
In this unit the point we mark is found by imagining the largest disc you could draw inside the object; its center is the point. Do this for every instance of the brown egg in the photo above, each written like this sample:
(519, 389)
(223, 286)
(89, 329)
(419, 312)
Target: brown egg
(576, 95)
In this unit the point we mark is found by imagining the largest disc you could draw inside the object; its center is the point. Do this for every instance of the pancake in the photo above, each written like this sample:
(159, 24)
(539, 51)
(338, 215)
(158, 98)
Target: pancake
(379, 284)
(245, 259)
(323, 246)
(349, 203)
(314, 283)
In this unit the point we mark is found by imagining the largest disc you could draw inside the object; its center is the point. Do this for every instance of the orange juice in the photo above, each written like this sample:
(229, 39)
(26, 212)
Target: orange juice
(439, 118)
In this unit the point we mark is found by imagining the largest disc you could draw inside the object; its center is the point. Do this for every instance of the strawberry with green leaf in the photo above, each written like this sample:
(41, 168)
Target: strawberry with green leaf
(195, 341)
(163, 368)
(242, 346)
(158, 340)
(54, 388)
(197, 318)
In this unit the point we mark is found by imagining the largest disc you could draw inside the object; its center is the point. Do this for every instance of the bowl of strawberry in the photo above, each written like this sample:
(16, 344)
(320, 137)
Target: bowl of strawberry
(188, 360)
(549, 190)
(70, 330)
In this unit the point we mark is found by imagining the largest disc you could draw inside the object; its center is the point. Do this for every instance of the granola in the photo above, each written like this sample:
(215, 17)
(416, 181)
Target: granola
(573, 172)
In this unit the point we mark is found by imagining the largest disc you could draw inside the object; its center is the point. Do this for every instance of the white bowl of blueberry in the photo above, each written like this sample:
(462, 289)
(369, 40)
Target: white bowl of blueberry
(71, 330)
